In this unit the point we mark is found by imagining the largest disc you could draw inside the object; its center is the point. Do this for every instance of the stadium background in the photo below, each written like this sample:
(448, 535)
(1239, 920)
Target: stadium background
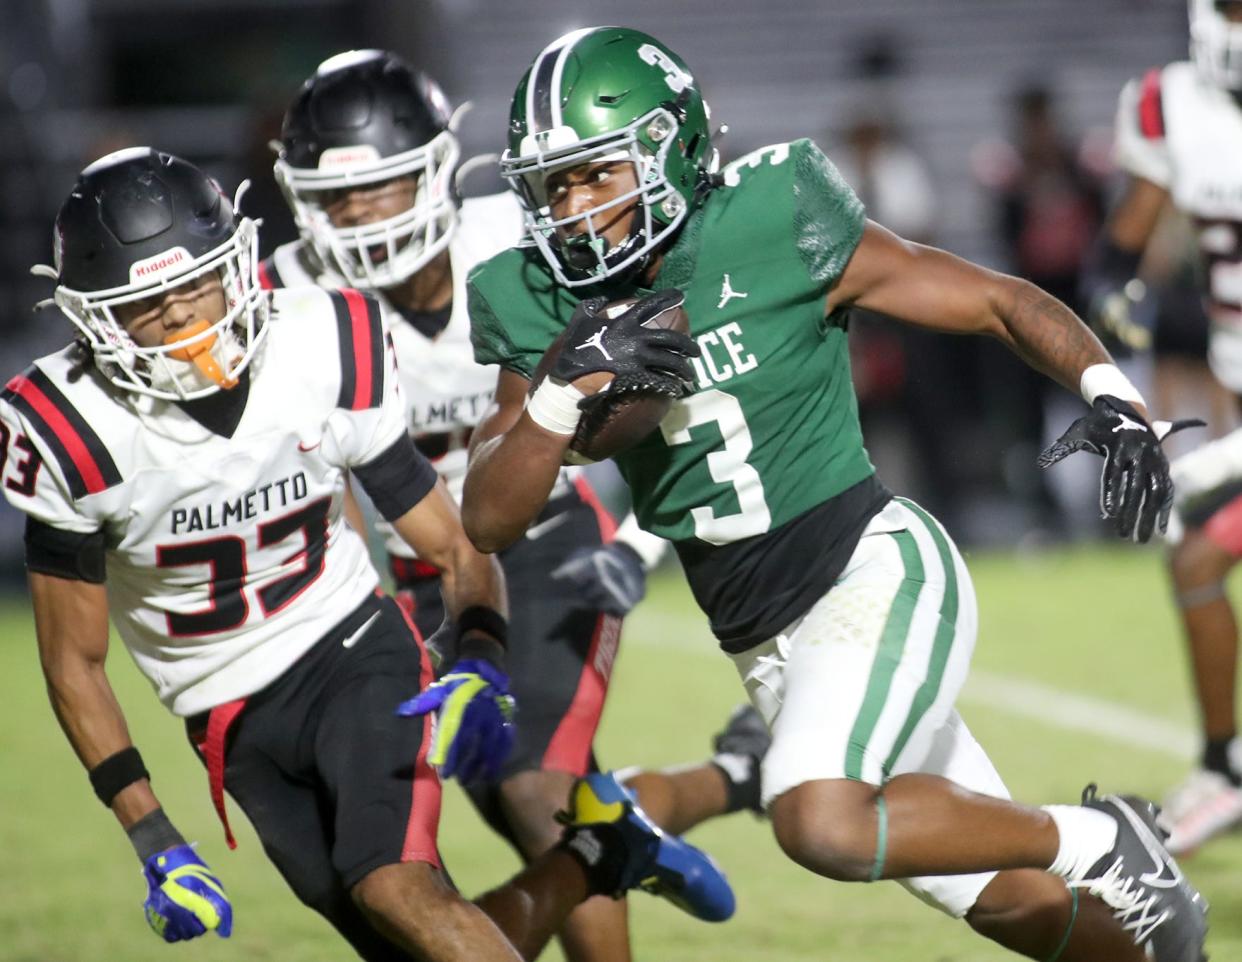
(1079, 673)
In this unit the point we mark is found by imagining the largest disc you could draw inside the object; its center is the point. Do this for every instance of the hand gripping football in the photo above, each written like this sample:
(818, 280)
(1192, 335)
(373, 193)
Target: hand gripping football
(630, 406)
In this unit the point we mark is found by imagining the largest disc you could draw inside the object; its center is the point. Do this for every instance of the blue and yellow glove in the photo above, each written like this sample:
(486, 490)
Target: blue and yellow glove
(473, 720)
(184, 899)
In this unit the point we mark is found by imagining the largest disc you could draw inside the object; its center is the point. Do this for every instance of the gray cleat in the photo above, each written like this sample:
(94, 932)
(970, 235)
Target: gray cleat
(1141, 883)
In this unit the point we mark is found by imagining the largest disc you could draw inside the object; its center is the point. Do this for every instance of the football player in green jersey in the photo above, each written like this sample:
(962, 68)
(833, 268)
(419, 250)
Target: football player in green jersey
(849, 613)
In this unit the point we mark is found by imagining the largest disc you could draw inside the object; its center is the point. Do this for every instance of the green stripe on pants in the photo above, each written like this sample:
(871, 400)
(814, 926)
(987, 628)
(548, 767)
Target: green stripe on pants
(946, 632)
(888, 656)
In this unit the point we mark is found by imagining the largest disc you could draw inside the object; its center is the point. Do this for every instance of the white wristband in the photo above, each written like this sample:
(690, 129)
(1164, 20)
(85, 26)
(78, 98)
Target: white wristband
(1107, 379)
(554, 407)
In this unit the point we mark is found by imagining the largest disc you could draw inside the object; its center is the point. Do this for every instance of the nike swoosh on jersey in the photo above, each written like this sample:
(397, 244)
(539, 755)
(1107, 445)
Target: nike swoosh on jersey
(302, 446)
(350, 640)
(543, 527)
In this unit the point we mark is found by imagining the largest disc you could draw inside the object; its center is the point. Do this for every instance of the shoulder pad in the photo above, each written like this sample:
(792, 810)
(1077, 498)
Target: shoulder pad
(360, 334)
(83, 458)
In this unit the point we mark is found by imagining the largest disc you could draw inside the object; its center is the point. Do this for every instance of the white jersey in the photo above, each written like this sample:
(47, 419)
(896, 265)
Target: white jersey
(227, 557)
(1184, 134)
(446, 392)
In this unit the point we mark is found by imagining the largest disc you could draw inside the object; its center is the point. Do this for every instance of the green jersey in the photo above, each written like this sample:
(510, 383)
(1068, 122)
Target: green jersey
(770, 433)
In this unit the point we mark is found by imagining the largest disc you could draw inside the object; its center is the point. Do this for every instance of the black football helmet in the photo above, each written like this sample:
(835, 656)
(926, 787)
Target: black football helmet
(367, 116)
(140, 222)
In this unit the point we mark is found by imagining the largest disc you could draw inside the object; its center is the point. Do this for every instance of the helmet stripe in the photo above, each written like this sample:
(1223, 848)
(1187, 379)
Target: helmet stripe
(571, 41)
(543, 102)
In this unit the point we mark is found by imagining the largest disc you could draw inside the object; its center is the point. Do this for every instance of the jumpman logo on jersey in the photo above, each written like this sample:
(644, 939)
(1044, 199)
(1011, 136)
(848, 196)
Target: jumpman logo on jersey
(727, 293)
(596, 341)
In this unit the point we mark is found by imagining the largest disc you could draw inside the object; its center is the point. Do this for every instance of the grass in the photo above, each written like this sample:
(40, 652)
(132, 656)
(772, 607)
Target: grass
(1091, 621)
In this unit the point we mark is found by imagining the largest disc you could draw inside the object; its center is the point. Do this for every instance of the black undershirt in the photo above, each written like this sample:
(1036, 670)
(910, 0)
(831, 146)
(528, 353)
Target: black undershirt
(754, 588)
(220, 413)
(428, 323)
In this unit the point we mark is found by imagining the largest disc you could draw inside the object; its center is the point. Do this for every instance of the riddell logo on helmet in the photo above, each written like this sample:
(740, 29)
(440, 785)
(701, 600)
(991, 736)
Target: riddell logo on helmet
(348, 156)
(163, 263)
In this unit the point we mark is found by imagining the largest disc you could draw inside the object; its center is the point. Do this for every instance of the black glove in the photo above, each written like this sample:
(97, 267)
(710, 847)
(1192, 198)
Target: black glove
(609, 578)
(1135, 489)
(1112, 316)
(647, 359)
(1109, 287)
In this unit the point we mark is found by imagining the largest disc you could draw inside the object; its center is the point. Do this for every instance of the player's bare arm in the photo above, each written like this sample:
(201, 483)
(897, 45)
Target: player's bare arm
(931, 288)
(509, 444)
(1132, 222)
(433, 528)
(71, 621)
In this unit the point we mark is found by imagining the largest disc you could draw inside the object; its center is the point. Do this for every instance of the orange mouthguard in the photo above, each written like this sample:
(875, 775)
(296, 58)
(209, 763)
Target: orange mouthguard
(199, 353)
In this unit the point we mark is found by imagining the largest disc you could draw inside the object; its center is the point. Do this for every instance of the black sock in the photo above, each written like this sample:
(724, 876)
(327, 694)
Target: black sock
(741, 776)
(1216, 759)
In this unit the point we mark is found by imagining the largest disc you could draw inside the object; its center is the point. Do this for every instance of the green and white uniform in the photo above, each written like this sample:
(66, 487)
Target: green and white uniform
(761, 480)
(760, 477)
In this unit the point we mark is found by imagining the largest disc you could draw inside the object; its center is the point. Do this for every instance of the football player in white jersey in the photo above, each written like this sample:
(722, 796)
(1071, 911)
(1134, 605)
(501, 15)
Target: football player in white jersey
(182, 468)
(1179, 139)
(367, 162)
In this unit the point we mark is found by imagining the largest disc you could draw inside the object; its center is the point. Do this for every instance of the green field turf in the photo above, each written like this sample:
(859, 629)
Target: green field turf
(1090, 622)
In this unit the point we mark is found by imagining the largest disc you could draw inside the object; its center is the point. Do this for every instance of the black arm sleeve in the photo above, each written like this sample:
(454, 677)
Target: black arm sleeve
(64, 554)
(398, 479)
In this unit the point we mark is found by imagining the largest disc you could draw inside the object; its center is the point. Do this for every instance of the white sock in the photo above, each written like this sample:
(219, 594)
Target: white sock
(736, 768)
(1086, 837)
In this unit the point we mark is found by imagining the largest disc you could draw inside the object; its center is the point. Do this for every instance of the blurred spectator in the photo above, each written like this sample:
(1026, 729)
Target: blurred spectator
(1048, 193)
(1047, 190)
(900, 373)
(891, 179)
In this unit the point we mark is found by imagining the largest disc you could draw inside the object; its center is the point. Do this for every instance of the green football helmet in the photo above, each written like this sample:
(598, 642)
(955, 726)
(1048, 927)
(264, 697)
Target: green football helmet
(604, 94)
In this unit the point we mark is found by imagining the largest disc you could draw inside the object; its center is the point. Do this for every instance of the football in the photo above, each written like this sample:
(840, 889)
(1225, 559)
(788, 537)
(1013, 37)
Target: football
(621, 424)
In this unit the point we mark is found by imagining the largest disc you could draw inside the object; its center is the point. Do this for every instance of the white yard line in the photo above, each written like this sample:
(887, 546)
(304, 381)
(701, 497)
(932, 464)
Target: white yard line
(1012, 695)
(1081, 713)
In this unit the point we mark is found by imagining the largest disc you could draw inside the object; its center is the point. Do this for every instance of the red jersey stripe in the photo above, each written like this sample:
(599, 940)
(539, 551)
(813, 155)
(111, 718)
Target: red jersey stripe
(569, 749)
(607, 523)
(361, 323)
(1151, 107)
(83, 460)
(424, 823)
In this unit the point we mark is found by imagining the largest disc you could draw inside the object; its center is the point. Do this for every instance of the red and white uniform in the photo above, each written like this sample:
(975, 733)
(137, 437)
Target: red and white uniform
(446, 392)
(227, 557)
(1184, 134)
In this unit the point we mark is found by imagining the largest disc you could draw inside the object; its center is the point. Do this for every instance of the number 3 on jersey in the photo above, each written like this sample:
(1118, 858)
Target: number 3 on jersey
(727, 465)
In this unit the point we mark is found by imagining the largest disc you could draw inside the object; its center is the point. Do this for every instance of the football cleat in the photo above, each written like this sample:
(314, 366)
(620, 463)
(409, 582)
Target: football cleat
(1203, 806)
(1141, 883)
(622, 849)
(739, 749)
